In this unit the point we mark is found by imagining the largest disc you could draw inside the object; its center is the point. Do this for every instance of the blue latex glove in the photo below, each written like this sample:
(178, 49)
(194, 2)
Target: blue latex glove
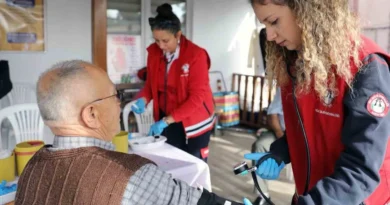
(139, 106)
(247, 202)
(4, 189)
(157, 128)
(269, 169)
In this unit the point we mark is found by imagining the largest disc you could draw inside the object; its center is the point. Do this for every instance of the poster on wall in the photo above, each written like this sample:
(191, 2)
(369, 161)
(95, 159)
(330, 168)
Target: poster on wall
(22, 25)
(123, 58)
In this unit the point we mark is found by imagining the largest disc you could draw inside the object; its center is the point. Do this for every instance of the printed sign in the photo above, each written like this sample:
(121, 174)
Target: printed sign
(123, 57)
(22, 25)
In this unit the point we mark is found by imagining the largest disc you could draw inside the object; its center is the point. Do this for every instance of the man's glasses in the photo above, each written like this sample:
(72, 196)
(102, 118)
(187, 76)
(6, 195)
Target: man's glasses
(118, 94)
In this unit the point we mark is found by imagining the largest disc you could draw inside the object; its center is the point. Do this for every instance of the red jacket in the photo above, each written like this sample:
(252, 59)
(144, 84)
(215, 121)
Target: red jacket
(194, 95)
(347, 145)
(142, 74)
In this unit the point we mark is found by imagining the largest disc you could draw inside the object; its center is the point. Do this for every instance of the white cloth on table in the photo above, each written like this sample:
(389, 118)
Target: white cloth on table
(180, 164)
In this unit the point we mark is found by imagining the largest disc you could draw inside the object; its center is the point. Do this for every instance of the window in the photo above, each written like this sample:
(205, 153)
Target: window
(121, 47)
(124, 17)
(124, 44)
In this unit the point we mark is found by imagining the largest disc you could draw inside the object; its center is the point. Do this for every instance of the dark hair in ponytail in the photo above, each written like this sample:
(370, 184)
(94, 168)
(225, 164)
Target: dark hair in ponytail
(165, 19)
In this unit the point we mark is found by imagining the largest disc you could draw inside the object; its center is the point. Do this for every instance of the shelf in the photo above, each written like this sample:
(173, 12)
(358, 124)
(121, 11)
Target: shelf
(124, 86)
(159, 2)
(126, 1)
(124, 6)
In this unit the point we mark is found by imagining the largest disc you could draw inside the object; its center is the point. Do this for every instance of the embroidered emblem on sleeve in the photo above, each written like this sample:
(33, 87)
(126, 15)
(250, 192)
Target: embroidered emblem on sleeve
(378, 105)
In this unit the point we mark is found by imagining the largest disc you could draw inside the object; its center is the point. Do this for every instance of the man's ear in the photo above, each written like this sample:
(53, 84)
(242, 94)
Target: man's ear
(90, 116)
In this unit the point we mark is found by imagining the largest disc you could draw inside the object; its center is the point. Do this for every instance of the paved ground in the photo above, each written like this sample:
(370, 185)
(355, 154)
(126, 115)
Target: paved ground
(227, 151)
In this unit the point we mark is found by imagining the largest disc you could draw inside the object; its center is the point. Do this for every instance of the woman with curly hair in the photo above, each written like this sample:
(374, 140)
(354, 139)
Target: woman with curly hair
(335, 96)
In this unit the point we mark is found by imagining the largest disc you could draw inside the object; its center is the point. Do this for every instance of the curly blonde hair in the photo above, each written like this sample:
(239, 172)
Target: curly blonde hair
(330, 39)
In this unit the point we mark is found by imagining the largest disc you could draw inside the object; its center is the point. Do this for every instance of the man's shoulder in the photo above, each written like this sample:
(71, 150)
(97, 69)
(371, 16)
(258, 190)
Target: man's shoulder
(129, 161)
(113, 159)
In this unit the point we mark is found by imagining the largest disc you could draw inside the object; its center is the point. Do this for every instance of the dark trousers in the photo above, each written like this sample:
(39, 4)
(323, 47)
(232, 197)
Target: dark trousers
(196, 146)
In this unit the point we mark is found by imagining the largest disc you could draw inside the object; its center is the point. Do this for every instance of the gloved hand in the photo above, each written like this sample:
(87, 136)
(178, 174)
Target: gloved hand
(247, 202)
(268, 169)
(139, 106)
(157, 128)
(4, 189)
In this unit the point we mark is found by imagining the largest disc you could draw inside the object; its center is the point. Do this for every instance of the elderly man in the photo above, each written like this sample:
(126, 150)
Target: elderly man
(81, 106)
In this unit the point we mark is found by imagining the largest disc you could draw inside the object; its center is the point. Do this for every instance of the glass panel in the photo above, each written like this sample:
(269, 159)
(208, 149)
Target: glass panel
(124, 17)
(124, 42)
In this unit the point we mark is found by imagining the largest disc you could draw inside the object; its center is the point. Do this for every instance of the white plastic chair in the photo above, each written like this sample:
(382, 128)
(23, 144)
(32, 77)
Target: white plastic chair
(5, 101)
(144, 120)
(26, 121)
(22, 93)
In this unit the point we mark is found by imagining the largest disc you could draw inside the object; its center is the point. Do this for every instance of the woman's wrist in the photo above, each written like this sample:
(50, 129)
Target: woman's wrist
(279, 134)
(169, 120)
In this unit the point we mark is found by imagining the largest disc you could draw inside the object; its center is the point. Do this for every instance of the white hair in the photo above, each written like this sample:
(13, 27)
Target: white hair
(54, 96)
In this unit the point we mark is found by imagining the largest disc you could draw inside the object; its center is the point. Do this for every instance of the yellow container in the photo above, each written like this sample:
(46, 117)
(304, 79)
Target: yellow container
(7, 168)
(24, 151)
(121, 142)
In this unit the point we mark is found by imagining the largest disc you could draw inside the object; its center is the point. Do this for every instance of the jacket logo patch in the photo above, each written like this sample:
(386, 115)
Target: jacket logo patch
(329, 98)
(378, 105)
(204, 152)
(185, 68)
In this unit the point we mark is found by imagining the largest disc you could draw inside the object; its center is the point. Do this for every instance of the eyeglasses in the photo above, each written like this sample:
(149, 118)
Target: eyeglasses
(118, 94)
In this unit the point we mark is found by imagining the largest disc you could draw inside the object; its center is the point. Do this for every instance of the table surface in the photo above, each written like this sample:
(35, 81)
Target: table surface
(180, 164)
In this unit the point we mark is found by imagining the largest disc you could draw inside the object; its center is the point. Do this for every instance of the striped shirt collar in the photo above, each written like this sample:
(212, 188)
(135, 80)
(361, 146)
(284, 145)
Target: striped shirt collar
(63, 142)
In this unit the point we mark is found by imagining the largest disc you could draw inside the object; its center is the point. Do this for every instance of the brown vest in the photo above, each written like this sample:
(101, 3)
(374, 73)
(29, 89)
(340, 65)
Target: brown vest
(89, 175)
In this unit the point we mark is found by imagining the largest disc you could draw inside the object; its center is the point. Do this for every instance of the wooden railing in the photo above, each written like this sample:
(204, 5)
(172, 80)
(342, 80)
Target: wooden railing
(257, 91)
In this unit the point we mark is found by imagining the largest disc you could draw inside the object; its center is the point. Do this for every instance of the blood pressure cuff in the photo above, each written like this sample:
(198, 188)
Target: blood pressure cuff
(208, 198)
(280, 148)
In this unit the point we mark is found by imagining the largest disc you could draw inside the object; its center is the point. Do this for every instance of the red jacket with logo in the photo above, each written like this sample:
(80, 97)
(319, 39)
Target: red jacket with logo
(347, 136)
(194, 96)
